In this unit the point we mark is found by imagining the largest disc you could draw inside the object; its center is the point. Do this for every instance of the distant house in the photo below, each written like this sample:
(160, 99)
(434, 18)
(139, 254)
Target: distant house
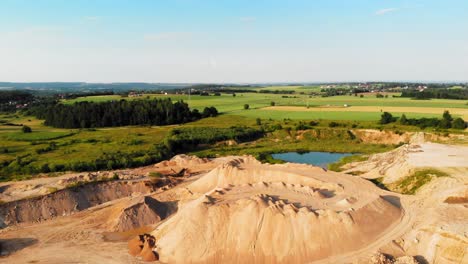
(134, 94)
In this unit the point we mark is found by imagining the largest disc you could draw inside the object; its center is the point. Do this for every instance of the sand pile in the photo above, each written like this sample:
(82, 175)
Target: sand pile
(183, 160)
(136, 213)
(245, 211)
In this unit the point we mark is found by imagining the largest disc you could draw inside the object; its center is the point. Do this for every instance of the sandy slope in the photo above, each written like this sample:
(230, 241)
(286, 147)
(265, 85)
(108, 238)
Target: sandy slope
(439, 230)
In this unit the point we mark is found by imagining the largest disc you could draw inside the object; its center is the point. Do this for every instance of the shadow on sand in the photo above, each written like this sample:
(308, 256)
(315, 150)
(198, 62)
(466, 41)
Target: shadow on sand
(9, 246)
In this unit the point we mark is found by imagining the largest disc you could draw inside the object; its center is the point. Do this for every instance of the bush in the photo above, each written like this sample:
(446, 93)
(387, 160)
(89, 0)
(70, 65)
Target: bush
(386, 118)
(246, 106)
(258, 121)
(272, 103)
(334, 124)
(458, 124)
(403, 119)
(26, 129)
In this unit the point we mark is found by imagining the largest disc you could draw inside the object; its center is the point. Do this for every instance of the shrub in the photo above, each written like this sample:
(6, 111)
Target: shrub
(246, 106)
(386, 118)
(272, 103)
(403, 119)
(26, 129)
(334, 124)
(458, 124)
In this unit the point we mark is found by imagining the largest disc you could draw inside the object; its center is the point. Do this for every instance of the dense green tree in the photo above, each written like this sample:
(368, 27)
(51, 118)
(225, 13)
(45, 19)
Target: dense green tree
(119, 113)
(403, 119)
(386, 118)
(447, 116)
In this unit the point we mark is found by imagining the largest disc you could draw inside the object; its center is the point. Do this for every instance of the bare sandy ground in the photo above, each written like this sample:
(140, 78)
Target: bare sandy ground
(391, 109)
(439, 228)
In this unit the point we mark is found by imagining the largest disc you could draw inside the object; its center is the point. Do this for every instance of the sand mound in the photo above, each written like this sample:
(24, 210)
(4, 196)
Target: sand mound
(183, 160)
(138, 212)
(245, 211)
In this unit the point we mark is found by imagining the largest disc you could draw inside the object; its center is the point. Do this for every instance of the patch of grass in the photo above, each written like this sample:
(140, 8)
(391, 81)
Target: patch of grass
(38, 136)
(345, 160)
(155, 177)
(52, 190)
(155, 174)
(416, 180)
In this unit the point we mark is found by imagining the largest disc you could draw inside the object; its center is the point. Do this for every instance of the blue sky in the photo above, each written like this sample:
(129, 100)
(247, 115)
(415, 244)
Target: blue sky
(233, 41)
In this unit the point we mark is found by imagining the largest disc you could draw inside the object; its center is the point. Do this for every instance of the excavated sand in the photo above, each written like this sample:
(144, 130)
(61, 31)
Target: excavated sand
(439, 232)
(398, 163)
(237, 210)
(245, 211)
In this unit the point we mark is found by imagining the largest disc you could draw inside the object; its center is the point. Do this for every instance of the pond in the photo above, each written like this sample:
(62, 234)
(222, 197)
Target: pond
(321, 159)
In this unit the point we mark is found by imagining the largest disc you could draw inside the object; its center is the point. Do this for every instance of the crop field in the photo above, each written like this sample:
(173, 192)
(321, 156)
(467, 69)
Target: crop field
(227, 103)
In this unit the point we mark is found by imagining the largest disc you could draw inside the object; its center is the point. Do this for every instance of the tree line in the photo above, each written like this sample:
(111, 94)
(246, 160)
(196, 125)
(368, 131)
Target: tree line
(119, 113)
(446, 122)
(460, 94)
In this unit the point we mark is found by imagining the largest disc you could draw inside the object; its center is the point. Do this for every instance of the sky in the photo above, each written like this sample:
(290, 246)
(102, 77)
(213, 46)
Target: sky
(240, 41)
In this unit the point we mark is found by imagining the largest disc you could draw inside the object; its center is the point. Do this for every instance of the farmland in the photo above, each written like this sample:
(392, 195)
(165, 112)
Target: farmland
(61, 148)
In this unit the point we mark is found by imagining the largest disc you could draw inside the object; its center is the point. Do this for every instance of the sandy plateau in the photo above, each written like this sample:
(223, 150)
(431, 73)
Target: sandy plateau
(238, 210)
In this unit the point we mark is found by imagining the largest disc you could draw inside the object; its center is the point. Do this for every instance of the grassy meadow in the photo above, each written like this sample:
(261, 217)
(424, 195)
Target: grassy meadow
(48, 145)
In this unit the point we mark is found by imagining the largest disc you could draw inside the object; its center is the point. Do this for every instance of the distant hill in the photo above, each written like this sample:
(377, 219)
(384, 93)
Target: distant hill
(67, 87)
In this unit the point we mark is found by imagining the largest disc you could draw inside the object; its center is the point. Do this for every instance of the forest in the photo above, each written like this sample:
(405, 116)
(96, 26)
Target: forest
(119, 113)
(460, 94)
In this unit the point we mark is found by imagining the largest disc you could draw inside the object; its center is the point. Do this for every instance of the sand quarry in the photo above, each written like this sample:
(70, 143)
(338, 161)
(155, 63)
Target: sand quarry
(238, 210)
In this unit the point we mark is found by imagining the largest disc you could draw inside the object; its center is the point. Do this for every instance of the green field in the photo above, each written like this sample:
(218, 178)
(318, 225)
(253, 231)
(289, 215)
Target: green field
(227, 103)
(348, 116)
(52, 146)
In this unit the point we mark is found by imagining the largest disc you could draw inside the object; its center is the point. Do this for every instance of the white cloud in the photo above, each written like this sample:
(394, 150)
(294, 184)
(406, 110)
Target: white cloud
(167, 36)
(247, 19)
(385, 11)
